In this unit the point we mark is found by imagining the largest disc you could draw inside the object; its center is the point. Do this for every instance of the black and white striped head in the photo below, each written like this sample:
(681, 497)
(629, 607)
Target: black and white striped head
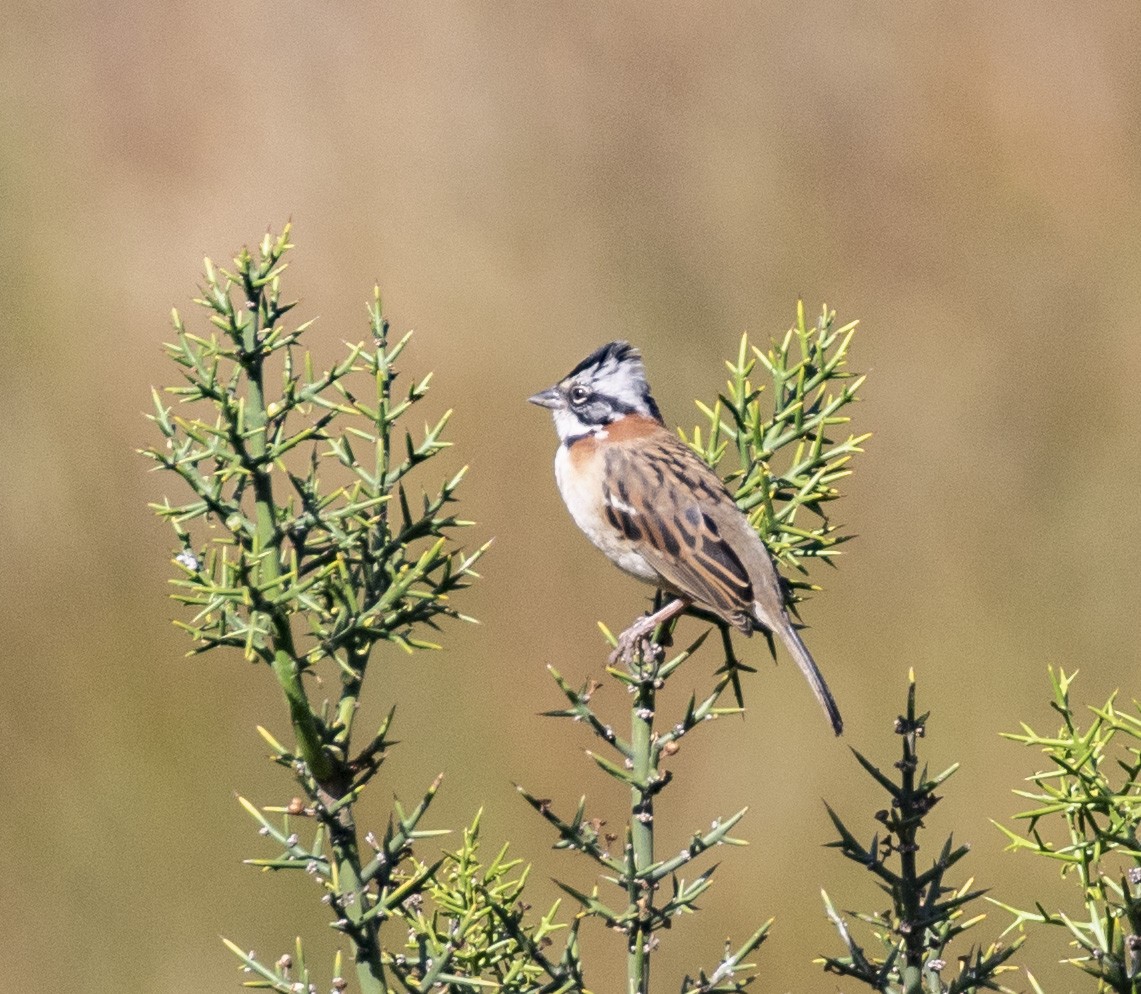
(607, 385)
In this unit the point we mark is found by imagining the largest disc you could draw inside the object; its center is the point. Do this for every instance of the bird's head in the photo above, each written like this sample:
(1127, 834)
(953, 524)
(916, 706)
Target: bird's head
(607, 385)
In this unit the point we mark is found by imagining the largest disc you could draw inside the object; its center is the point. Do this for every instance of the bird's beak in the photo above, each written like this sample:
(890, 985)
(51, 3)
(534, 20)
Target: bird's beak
(548, 398)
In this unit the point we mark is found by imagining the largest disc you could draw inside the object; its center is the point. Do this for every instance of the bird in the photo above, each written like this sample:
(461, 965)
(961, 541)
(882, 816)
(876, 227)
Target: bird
(659, 513)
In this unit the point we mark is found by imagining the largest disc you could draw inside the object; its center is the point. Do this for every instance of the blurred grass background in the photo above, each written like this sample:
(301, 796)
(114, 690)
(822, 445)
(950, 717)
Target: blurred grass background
(527, 181)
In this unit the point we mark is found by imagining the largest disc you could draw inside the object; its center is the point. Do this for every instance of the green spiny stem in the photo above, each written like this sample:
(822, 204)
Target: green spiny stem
(286, 665)
(352, 677)
(383, 373)
(330, 776)
(350, 884)
(912, 973)
(355, 904)
(641, 830)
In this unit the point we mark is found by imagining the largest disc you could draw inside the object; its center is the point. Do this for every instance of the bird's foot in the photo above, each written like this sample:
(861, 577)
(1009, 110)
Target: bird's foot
(636, 642)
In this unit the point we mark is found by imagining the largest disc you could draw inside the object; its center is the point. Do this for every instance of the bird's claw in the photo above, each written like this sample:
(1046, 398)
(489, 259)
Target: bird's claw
(637, 643)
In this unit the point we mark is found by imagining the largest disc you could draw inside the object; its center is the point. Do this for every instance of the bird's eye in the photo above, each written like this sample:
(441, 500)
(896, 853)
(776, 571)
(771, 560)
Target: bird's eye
(579, 395)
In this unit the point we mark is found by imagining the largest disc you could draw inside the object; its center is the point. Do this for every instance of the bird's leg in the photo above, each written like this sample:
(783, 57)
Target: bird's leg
(636, 638)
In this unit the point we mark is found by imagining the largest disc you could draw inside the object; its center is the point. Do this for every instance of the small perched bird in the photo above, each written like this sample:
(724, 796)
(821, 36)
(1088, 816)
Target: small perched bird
(653, 506)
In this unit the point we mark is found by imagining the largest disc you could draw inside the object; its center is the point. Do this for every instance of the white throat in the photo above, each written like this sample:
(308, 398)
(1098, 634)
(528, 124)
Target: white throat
(568, 425)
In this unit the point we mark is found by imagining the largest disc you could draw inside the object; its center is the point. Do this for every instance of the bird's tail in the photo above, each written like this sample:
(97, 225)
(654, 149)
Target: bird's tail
(812, 674)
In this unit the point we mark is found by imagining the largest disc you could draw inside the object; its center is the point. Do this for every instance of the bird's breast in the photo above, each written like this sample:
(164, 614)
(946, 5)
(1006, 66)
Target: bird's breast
(579, 469)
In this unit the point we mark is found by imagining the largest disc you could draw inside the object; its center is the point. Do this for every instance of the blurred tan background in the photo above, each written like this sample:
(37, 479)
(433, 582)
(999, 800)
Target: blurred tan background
(527, 181)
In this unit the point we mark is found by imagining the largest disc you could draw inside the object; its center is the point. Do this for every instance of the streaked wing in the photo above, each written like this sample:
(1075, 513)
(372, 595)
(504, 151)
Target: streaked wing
(668, 502)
